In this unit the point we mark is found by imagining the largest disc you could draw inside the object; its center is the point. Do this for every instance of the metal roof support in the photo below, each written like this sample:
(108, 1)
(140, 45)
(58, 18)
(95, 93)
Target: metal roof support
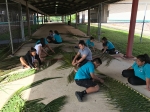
(21, 23)
(70, 19)
(37, 18)
(11, 41)
(42, 19)
(34, 18)
(99, 21)
(76, 20)
(89, 21)
(28, 18)
(132, 28)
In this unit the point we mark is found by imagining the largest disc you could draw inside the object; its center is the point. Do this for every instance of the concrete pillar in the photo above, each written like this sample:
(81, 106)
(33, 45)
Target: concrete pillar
(83, 17)
(28, 18)
(104, 13)
(89, 21)
(132, 28)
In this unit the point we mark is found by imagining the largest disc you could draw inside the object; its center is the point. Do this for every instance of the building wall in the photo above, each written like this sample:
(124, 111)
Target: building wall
(122, 12)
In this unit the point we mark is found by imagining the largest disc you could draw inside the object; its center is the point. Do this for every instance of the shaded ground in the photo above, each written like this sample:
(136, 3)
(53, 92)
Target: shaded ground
(96, 102)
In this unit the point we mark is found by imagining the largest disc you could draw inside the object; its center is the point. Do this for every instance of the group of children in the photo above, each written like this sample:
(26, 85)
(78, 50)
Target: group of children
(36, 55)
(137, 74)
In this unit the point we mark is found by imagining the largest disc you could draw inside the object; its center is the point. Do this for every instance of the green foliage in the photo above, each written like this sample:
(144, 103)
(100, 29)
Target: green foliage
(9, 63)
(103, 56)
(20, 75)
(70, 77)
(123, 97)
(55, 105)
(119, 39)
(67, 60)
(17, 104)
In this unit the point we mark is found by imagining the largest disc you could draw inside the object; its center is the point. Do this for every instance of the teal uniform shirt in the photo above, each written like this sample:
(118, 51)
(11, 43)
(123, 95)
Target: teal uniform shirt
(89, 43)
(142, 72)
(57, 38)
(86, 51)
(85, 71)
(110, 45)
(46, 42)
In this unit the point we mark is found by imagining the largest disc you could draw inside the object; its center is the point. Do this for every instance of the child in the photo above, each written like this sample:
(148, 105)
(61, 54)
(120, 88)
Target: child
(139, 72)
(29, 60)
(40, 49)
(85, 78)
(108, 46)
(90, 43)
(57, 37)
(46, 41)
(84, 55)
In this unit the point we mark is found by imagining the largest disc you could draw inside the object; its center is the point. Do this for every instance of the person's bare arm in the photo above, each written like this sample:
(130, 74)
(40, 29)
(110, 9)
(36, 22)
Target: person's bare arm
(83, 57)
(96, 78)
(74, 60)
(50, 48)
(105, 48)
(130, 67)
(148, 84)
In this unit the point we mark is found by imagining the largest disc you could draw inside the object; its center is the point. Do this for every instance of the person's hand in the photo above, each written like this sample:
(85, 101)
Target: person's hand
(101, 80)
(28, 66)
(36, 68)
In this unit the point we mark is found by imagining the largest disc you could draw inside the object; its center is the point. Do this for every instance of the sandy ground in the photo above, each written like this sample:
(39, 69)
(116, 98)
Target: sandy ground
(96, 102)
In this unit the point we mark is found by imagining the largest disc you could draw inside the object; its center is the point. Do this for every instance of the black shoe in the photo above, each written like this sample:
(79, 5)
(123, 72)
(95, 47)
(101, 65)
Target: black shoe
(79, 96)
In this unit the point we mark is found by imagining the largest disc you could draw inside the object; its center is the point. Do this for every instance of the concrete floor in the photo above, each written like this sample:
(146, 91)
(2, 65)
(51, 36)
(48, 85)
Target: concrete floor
(52, 89)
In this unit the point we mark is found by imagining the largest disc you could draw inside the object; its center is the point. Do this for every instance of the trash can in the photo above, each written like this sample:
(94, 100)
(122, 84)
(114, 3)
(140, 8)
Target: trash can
(69, 23)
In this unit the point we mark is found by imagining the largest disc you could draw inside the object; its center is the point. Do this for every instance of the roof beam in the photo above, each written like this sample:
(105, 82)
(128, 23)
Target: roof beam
(29, 5)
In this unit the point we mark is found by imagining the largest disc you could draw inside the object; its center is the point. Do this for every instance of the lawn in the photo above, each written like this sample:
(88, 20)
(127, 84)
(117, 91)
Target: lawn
(120, 38)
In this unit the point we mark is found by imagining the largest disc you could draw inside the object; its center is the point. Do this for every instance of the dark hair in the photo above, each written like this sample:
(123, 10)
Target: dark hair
(91, 38)
(56, 32)
(32, 49)
(51, 31)
(97, 60)
(105, 41)
(82, 42)
(42, 41)
(144, 57)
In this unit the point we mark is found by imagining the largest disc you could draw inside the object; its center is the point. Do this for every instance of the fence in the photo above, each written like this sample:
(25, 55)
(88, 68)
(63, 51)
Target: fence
(18, 25)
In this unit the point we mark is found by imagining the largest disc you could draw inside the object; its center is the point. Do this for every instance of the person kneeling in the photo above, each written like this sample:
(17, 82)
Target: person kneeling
(139, 72)
(108, 47)
(30, 59)
(85, 77)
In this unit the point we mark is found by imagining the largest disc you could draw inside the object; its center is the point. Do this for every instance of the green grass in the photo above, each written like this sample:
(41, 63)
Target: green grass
(17, 104)
(123, 97)
(119, 38)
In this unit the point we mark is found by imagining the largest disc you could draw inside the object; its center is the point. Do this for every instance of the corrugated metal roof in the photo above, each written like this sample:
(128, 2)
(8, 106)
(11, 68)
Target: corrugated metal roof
(62, 7)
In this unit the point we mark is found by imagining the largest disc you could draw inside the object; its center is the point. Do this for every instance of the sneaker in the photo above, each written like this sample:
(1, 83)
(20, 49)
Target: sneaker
(117, 52)
(79, 96)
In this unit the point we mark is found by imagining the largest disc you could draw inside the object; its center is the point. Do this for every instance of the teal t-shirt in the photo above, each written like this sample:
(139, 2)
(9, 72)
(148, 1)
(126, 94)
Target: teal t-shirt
(46, 42)
(142, 72)
(84, 71)
(89, 43)
(57, 38)
(110, 45)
